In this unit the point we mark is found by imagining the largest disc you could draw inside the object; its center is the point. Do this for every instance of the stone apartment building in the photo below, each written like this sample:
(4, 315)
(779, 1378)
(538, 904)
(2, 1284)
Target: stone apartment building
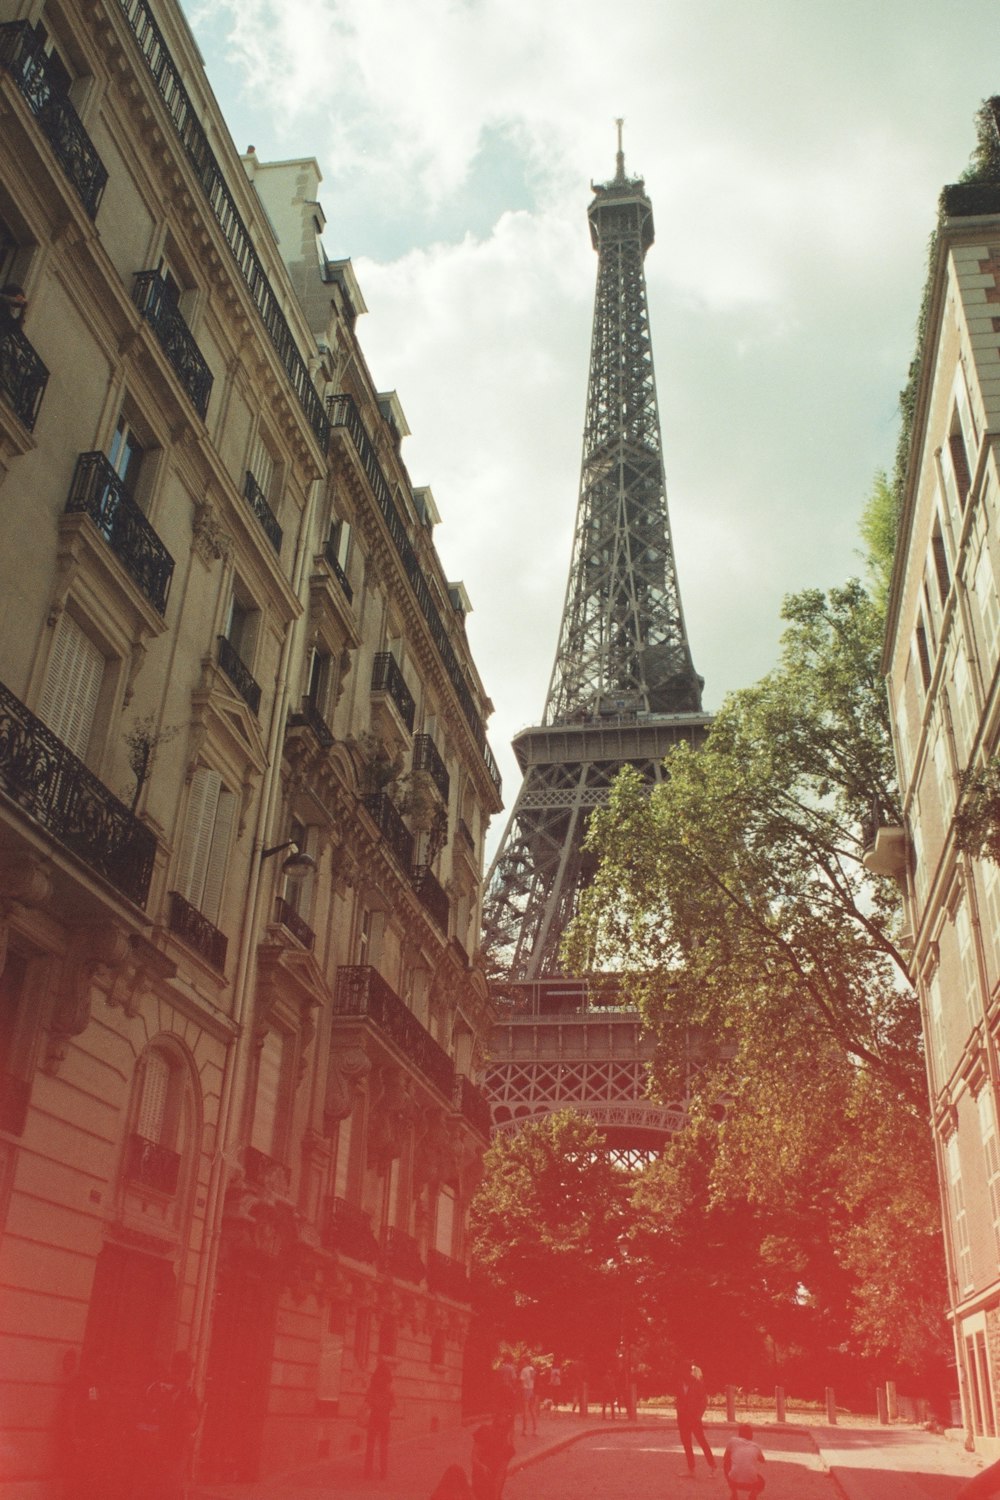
(244, 787)
(942, 658)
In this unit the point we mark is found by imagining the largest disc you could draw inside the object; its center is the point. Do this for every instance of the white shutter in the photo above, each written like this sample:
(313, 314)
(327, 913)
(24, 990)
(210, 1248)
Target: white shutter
(196, 846)
(343, 1172)
(265, 1118)
(218, 855)
(72, 685)
(444, 1230)
(153, 1106)
(262, 467)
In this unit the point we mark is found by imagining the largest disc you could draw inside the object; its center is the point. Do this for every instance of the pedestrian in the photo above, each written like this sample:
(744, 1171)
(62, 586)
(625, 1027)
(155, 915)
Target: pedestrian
(508, 1392)
(168, 1418)
(379, 1402)
(986, 1482)
(691, 1402)
(492, 1451)
(743, 1463)
(453, 1485)
(529, 1400)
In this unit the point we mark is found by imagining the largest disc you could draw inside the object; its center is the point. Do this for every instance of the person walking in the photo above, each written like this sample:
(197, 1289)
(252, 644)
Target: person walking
(529, 1400)
(743, 1464)
(380, 1402)
(691, 1402)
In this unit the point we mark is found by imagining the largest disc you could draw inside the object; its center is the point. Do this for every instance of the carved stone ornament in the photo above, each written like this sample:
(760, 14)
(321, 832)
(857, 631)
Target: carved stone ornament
(436, 1159)
(24, 881)
(94, 957)
(349, 1067)
(394, 1110)
(211, 543)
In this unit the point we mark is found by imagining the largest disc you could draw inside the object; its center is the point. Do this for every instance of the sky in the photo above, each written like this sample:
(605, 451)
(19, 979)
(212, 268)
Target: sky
(793, 151)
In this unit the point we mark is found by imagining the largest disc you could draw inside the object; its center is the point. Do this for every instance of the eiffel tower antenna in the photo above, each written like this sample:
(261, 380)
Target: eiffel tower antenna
(623, 688)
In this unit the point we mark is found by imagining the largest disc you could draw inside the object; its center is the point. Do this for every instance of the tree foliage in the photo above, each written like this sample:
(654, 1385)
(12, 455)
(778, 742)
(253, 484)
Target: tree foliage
(766, 959)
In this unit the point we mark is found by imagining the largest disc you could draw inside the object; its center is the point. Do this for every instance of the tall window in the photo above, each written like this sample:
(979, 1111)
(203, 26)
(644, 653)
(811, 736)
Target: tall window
(205, 847)
(125, 453)
(444, 1228)
(991, 1151)
(72, 685)
(262, 467)
(240, 628)
(959, 1218)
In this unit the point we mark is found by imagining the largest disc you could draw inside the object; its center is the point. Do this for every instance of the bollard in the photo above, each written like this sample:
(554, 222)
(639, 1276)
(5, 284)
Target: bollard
(730, 1403)
(891, 1400)
(779, 1403)
(883, 1407)
(831, 1407)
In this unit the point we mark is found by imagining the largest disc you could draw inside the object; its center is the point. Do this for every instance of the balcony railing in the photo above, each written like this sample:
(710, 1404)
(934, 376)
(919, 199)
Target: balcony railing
(152, 1164)
(391, 826)
(289, 917)
(348, 1229)
(190, 132)
(401, 1257)
(23, 57)
(447, 1276)
(154, 299)
(23, 377)
(387, 678)
(473, 1105)
(427, 757)
(255, 498)
(47, 781)
(197, 931)
(361, 991)
(99, 493)
(433, 897)
(333, 563)
(310, 715)
(239, 675)
(344, 414)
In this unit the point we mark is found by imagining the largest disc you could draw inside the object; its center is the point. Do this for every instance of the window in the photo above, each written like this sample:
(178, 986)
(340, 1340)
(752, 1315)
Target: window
(240, 628)
(268, 1117)
(362, 1335)
(342, 1171)
(959, 460)
(262, 466)
(959, 1219)
(923, 656)
(320, 679)
(339, 544)
(936, 1039)
(444, 1228)
(125, 453)
(991, 1151)
(940, 561)
(73, 683)
(967, 957)
(205, 847)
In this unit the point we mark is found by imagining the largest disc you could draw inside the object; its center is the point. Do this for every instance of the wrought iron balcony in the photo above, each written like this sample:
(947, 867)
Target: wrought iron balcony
(387, 678)
(152, 1165)
(310, 715)
(432, 895)
(239, 675)
(427, 757)
(168, 81)
(344, 415)
(401, 1257)
(47, 781)
(153, 298)
(391, 826)
(254, 496)
(99, 493)
(348, 1229)
(197, 931)
(473, 1105)
(23, 377)
(266, 1172)
(333, 564)
(361, 991)
(447, 1276)
(23, 57)
(289, 917)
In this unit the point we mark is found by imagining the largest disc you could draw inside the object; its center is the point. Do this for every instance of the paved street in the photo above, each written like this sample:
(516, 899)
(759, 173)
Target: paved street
(572, 1459)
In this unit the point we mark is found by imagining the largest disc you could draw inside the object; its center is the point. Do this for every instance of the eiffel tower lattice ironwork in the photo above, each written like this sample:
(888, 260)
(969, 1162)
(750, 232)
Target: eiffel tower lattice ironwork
(623, 688)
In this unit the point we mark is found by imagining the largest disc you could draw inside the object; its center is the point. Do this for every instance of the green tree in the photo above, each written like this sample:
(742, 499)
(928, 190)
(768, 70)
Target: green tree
(545, 1227)
(734, 901)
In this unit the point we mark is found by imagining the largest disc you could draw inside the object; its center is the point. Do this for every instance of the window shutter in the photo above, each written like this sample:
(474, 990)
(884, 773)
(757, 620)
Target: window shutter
(444, 1230)
(72, 685)
(206, 787)
(265, 1119)
(218, 855)
(153, 1106)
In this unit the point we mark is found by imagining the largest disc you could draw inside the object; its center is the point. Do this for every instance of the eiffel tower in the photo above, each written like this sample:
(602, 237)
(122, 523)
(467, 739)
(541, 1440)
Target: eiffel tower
(623, 691)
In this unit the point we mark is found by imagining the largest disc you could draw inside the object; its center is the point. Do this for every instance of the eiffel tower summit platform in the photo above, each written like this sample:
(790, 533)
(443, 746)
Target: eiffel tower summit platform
(623, 692)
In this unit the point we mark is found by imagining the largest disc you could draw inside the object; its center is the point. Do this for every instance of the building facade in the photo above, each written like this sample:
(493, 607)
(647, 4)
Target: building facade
(942, 658)
(244, 787)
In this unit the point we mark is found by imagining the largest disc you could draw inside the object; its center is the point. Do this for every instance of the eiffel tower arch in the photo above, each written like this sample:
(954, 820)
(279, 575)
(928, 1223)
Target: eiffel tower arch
(623, 691)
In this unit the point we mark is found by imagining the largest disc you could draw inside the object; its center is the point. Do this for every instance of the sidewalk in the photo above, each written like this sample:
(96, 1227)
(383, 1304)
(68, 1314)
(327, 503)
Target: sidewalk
(865, 1462)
